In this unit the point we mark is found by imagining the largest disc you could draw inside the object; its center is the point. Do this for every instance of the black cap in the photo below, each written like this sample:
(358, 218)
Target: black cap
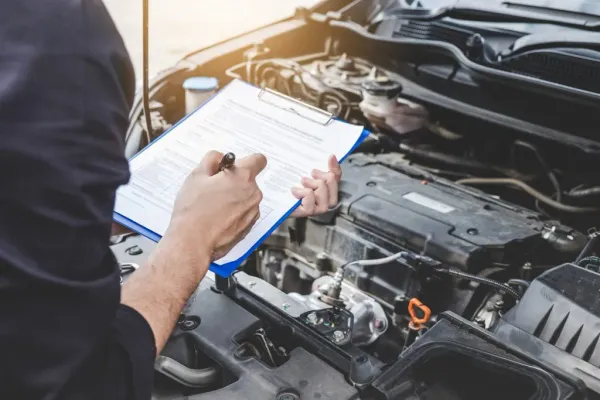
(382, 87)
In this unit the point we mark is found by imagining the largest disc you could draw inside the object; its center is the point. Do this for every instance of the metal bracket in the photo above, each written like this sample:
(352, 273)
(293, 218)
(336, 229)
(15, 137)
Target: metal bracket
(329, 116)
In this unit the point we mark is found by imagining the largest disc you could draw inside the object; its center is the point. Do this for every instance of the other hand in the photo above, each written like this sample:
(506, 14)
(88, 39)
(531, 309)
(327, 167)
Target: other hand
(319, 193)
(215, 210)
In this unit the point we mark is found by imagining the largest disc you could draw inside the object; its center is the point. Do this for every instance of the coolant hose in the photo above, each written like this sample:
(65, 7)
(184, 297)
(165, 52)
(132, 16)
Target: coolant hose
(482, 280)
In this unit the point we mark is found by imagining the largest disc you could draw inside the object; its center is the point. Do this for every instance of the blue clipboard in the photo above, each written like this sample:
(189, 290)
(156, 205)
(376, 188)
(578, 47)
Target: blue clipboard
(226, 270)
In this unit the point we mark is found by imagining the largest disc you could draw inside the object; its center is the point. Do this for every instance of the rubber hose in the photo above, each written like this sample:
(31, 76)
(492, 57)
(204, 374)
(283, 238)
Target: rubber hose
(446, 159)
(186, 376)
(593, 191)
(528, 189)
(479, 279)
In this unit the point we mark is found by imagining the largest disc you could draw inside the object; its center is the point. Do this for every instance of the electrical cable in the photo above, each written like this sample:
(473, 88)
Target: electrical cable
(145, 74)
(529, 190)
(378, 261)
(590, 263)
(482, 280)
(547, 170)
(336, 289)
(589, 248)
(288, 87)
(439, 130)
(264, 76)
(446, 159)
(593, 191)
(305, 89)
(519, 282)
(343, 110)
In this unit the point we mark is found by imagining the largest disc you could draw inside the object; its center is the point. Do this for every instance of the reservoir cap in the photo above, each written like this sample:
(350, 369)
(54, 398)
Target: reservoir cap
(201, 84)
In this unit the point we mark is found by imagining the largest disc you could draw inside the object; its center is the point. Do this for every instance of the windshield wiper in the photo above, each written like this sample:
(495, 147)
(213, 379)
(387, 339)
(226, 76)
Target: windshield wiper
(506, 12)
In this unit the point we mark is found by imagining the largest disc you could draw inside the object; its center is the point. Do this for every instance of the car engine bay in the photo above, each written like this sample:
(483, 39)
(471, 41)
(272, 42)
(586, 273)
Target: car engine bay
(461, 262)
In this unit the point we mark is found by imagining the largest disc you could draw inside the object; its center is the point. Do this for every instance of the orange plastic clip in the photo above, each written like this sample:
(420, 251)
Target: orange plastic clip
(417, 322)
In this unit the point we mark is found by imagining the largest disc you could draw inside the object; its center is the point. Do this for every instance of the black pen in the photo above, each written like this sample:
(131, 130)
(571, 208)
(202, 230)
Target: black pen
(227, 161)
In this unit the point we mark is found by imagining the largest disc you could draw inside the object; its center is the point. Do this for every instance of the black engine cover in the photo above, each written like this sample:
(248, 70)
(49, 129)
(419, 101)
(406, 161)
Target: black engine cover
(456, 225)
(387, 206)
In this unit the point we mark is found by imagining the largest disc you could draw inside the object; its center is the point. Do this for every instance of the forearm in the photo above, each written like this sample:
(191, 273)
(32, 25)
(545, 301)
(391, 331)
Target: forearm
(160, 289)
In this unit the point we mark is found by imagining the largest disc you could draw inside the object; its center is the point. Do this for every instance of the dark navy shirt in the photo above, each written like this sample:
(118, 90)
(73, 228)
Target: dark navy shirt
(66, 87)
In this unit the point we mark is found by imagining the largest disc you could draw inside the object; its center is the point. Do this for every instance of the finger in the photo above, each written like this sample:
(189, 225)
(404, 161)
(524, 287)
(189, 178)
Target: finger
(320, 192)
(209, 165)
(334, 166)
(255, 163)
(308, 205)
(301, 192)
(332, 185)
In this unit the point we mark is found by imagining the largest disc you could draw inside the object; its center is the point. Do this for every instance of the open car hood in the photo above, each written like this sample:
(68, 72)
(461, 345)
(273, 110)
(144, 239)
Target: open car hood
(484, 173)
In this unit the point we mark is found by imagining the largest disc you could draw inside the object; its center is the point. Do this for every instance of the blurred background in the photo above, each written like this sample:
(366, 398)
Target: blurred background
(178, 27)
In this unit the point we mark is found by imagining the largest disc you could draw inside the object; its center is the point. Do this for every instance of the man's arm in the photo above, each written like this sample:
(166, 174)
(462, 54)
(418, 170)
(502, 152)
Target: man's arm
(65, 92)
(66, 87)
(213, 211)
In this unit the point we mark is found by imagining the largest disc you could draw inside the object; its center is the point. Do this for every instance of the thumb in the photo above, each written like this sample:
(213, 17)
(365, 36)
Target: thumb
(209, 165)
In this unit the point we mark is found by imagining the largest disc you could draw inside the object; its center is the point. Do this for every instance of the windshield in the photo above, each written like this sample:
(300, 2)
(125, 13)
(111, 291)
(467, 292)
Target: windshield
(178, 27)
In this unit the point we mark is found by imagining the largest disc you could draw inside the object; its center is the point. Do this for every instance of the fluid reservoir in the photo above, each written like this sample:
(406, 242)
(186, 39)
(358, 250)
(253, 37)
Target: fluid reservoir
(198, 89)
(384, 108)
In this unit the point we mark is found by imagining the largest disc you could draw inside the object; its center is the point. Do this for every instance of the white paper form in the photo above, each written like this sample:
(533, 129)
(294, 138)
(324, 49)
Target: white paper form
(237, 121)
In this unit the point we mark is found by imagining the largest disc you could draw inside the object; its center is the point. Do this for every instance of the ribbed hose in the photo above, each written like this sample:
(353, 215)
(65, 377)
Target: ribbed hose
(483, 281)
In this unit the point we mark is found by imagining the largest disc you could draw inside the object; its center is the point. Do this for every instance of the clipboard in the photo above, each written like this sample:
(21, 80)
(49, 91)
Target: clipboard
(275, 99)
(296, 106)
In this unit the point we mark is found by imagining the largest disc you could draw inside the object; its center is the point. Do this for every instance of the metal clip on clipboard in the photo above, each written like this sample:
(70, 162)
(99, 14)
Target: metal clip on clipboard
(296, 106)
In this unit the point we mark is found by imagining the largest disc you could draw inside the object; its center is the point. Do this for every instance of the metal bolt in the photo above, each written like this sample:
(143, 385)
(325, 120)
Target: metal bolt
(499, 304)
(189, 324)
(323, 263)
(286, 306)
(526, 271)
(252, 284)
(312, 318)
(134, 251)
(475, 40)
(338, 336)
